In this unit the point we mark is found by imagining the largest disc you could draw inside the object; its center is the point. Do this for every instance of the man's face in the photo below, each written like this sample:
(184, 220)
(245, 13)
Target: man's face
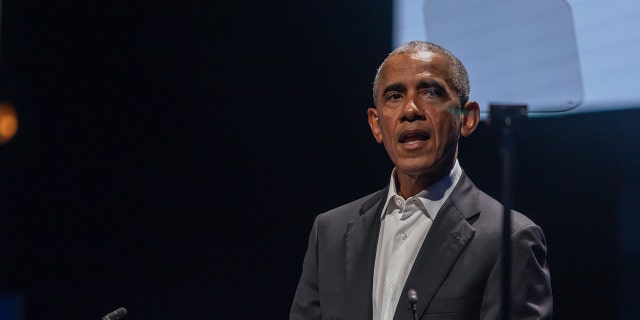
(417, 115)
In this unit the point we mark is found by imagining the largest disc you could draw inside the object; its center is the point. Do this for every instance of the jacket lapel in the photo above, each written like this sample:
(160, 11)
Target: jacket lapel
(361, 239)
(446, 239)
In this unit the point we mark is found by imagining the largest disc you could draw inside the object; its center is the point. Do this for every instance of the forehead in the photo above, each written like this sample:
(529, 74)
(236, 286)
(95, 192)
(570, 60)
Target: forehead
(412, 65)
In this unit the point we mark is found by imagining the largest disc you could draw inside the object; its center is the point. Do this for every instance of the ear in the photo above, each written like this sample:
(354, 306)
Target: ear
(470, 118)
(374, 123)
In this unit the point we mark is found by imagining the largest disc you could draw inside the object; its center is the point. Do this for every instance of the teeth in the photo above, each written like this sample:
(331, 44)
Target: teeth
(414, 137)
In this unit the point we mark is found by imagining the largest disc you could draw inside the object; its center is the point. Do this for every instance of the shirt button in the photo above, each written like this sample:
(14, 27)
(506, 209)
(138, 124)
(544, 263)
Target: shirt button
(392, 286)
(403, 236)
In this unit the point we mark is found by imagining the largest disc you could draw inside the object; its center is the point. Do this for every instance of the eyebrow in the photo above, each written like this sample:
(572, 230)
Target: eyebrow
(421, 85)
(394, 87)
(430, 84)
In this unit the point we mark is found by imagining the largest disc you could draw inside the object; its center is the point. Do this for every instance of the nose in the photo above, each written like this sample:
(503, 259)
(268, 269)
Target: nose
(412, 111)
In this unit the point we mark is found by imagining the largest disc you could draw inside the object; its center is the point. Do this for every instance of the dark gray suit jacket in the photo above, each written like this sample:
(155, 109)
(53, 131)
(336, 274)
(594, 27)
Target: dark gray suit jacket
(457, 273)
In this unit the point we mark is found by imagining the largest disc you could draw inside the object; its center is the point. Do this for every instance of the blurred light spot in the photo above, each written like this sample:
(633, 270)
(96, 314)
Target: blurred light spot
(8, 122)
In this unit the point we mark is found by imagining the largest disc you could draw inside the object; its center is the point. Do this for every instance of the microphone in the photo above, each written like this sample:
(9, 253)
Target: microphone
(115, 315)
(412, 296)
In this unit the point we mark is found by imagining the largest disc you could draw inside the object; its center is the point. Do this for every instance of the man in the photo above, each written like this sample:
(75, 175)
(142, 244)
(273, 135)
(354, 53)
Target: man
(430, 230)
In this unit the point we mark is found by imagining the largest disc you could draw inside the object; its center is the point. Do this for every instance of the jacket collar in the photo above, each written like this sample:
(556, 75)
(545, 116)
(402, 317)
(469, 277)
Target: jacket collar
(361, 239)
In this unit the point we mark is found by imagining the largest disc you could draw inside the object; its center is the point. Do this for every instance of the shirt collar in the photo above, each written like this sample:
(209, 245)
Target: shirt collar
(434, 196)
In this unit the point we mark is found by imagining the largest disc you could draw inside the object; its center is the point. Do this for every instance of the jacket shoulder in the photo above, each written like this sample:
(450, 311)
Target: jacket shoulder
(353, 209)
(492, 209)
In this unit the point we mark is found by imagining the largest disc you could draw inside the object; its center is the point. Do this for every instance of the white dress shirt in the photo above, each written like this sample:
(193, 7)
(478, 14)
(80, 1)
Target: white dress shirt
(404, 225)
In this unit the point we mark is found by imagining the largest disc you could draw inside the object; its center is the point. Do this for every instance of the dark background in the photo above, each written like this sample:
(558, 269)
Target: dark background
(171, 158)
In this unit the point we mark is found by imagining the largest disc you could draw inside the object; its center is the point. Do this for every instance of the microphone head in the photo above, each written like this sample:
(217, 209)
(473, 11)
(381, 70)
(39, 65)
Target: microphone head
(412, 295)
(115, 315)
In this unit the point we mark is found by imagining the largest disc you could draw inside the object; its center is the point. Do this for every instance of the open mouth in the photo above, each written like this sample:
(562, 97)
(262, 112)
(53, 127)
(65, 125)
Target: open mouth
(413, 136)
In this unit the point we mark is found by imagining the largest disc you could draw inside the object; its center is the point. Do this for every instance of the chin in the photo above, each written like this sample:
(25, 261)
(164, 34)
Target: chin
(416, 166)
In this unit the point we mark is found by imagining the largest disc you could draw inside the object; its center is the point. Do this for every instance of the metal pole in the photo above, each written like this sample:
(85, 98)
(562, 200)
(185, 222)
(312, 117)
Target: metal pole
(506, 118)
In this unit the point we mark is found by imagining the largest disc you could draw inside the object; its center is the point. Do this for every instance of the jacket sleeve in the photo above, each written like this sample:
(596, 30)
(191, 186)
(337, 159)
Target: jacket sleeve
(306, 302)
(531, 296)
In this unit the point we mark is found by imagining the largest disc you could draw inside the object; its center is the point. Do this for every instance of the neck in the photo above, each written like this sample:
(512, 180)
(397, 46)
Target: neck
(408, 185)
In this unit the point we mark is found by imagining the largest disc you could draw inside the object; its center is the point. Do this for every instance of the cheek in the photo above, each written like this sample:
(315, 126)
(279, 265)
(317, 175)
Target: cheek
(447, 131)
(388, 135)
(385, 123)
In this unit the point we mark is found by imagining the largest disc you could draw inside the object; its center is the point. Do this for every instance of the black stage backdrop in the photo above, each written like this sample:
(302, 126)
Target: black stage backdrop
(171, 158)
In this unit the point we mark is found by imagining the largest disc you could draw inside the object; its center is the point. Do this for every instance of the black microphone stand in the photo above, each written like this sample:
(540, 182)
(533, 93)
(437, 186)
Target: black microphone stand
(506, 118)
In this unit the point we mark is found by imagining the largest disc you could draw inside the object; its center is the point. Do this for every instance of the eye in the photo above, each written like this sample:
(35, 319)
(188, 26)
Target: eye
(432, 92)
(394, 96)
